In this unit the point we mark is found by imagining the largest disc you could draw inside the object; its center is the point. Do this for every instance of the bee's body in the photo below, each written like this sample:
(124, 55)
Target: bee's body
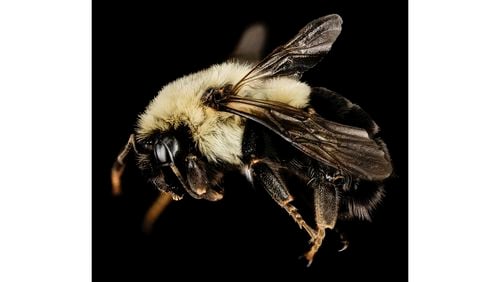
(284, 135)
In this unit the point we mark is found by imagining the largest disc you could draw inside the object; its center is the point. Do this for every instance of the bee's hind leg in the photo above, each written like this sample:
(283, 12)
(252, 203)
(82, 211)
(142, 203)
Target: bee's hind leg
(326, 207)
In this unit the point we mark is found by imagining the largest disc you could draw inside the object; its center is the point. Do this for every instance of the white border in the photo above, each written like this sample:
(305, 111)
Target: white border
(45, 123)
(454, 141)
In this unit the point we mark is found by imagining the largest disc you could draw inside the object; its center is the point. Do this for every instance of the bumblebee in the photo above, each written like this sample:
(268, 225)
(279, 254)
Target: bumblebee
(260, 119)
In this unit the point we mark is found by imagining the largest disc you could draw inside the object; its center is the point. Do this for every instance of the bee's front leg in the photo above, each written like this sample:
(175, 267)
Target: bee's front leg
(119, 165)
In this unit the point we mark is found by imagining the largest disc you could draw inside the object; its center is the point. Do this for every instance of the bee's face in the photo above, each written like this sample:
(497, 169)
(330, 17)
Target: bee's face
(158, 152)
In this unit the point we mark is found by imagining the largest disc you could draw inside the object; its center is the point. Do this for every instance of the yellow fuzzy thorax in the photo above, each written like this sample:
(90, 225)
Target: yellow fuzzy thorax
(218, 135)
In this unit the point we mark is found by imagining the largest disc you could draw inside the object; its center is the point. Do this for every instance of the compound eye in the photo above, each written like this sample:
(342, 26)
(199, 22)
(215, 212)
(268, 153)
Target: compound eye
(165, 150)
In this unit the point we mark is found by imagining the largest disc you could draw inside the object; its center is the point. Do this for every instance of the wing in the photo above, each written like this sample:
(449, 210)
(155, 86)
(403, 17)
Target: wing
(299, 54)
(251, 44)
(331, 143)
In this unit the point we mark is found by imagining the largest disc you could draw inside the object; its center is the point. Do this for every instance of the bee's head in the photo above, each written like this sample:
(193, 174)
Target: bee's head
(171, 162)
(161, 156)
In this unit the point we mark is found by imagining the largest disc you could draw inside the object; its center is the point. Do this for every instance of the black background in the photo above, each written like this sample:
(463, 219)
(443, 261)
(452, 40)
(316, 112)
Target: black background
(138, 47)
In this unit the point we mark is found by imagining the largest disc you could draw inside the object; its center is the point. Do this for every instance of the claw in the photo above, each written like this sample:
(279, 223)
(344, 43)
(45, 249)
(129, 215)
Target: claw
(316, 243)
(345, 244)
(307, 256)
(343, 241)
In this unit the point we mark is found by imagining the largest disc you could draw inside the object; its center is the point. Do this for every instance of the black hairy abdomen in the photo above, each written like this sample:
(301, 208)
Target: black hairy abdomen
(337, 108)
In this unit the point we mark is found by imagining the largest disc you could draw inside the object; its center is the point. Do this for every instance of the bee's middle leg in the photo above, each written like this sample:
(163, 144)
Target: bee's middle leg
(269, 178)
(265, 172)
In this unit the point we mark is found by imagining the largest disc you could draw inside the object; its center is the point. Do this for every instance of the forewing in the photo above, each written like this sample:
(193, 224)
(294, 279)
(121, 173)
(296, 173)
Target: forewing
(333, 144)
(301, 53)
